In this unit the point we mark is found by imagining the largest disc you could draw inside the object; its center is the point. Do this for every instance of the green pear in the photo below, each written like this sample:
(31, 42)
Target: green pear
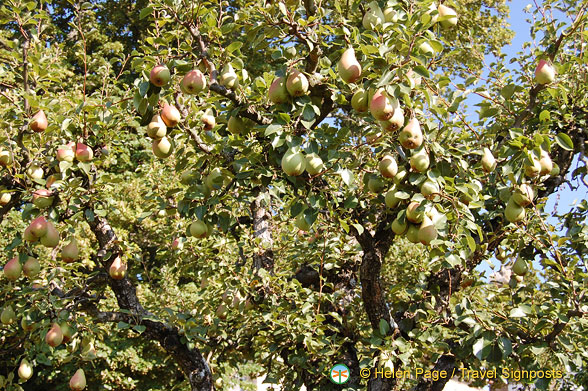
(388, 167)
(348, 66)
(5, 158)
(7, 316)
(70, 252)
(228, 77)
(532, 169)
(420, 162)
(448, 16)
(162, 148)
(314, 164)
(54, 336)
(411, 137)
(235, 125)
(193, 82)
(35, 172)
(374, 17)
(301, 223)
(27, 323)
(546, 163)
(375, 184)
(31, 268)
(156, 128)
(400, 176)
(514, 212)
(215, 179)
(488, 161)
(427, 231)
(390, 15)
(67, 331)
(426, 48)
(415, 213)
(78, 381)
(293, 163)
(523, 195)
(359, 100)
(430, 188)
(400, 224)
(199, 229)
(297, 83)
(51, 238)
(39, 122)
(544, 73)
(412, 234)
(520, 267)
(25, 370)
(12, 269)
(117, 269)
(278, 93)
(159, 75)
(391, 200)
(42, 198)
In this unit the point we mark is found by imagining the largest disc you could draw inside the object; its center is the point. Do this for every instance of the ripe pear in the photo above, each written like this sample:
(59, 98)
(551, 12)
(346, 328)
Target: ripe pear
(391, 200)
(297, 83)
(488, 161)
(29, 236)
(426, 48)
(51, 238)
(411, 136)
(177, 244)
(374, 17)
(514, 212)
(381, 106)
(5, 158)
(420, 161)
(215, 179)
(84, 153)
(35, 171)
(170, 115)
(293, 163)
(7, 316)
(412, 234)
(278, 93)
(400, 224)
(314, 164)
(523, 195)
(388, 167)
(78, 381)
(236, 125)
(42, 198)
(359, 100)
(117, 269)
(546, 163)
(54, 336)
(415, 213)
(448, 16)
(393, 123)
(193, 82)
(25, 370)
(301, 223)
(67, 331)
(228, 77)
(348, 66)
(39, 122)
(39, 227)
(375, 184)
(162, 148)
(199, 229)
(430, 188)
(544, 73)
(31, 268)
(208, 120)
(65, 154)
(156, 128)
(427, 231)
(5, 198)
(520, 267)
(159, 75)
(532, 169)
(70, 252)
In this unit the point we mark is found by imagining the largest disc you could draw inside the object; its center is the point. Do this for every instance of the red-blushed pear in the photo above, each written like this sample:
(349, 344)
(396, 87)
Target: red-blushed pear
(228, 77)
(25, 370)
(411, 137)
(414, 212)
(159, 76)
(523, 195)
(427, 231)
(514, 212)
(293, 163)
(193, 82)
(278, 93)
(117, 269)
(520, 267)
(412, 234)
(448, 16)
(544, 73)
(38, 227)
(395, 122)
(170, 115)
(12, 269)
(70, 252)
(54, 336)
(156, 128)
(314, 164)
(65, 154)
(51, 238)
(488, 161)
(546, 163)
(236, 125)
(348, 66)
(297, 83)
(42, 198)
(29, 236)
(35, 172)
(5, 198)
(177, 244)
(31, 268)
(199, 229)
(27, 323)
(360, 100)
(78, 381)
(420, 161)
(39, 122)
(208, 120)
(7, 316)
(84, 153)
(381, 106)
(162, 148)
(5, 158)
(388, 166)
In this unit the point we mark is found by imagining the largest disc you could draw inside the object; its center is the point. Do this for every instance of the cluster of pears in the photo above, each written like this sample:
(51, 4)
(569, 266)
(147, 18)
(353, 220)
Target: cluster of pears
(80, 151)
(161, 145)
(42, 230)
(295, 163)
(13, 268)
(295, 84)
(374, 17)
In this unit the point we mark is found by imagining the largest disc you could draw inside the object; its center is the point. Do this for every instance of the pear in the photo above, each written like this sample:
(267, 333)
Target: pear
(415, 213)
(544, 73)
(170, 115)
(488, 161)
(374, 17)
(159, 75)
(375, 184)
(221, 312)
(27, 323)
(400, 176)
(35, 172)
(520, 267)
(532, 169)
(381, 106)
(39, 226)
(70, 252)
(314, 164)
(297, 83)
(5, 198)
(293, 163)
(177, 244)
(430, 188)
(65, 154)
(67, 331)
(5, 158)
(391, 200)
(156, 128)
(54, 336)
(420, 161)
(78, 381)
(395, 122)
(514, 212)
(523, 195)
(39, 122)
(412, 234)
(348, 66)
(400, 225)
(7, 316)
(12, 269)
(411, 136)
(208, 120)
(162, 148)
(42, 198)
(117, 269)
(427, 231)
(31, 268)
(25, 370)
(215, 179)
(236, 125)
(278, 93)
(199, 229)
(388, 167)
(88, 350)
(359, 100)
(29, 236)
(301, 223)
(448, 16)
(84, 153)
(426, 48)
(51, 238)
(193, 82)
(546, 163)
(228, 77)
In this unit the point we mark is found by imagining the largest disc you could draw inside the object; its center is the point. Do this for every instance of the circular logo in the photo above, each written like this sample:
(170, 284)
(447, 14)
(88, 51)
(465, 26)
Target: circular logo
(339, 374)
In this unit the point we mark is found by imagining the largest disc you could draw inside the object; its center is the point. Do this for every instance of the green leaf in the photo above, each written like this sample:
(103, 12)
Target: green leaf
(145, 12)
(384, 327)
(421, 70)
(234, 46)
(564, 141)
(347, 176)
(271, 129)
(139, 328)
(122, 325)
